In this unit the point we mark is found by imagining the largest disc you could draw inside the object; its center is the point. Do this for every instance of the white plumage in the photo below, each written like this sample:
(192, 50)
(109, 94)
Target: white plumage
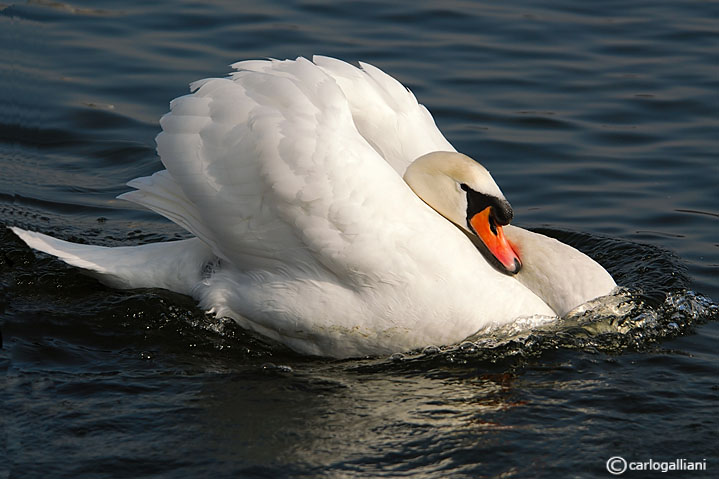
(290, 175)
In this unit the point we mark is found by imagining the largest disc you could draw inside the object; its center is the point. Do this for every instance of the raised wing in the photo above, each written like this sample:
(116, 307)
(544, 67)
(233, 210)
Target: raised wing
(270, 170)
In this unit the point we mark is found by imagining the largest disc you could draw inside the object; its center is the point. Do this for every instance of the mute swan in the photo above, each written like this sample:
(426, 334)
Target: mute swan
(290, 176)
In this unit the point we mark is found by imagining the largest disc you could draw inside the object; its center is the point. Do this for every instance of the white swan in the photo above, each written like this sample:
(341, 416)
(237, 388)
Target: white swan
(290, 176)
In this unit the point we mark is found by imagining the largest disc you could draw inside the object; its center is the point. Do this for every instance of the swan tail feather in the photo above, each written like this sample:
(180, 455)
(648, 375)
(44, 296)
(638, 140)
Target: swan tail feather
(174, 265)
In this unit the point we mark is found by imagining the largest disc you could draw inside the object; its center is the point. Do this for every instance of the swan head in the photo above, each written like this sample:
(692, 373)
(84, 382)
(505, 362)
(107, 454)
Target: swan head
(463, 191)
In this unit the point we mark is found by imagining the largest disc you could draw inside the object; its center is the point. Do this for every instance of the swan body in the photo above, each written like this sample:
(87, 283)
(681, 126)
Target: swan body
(329, 213)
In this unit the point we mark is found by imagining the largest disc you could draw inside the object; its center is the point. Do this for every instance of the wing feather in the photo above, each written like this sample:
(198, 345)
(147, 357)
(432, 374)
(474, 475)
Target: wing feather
(386, 113)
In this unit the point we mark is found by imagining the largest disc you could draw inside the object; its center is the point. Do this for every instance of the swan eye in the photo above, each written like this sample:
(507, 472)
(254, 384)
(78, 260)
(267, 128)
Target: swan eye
(464, 187)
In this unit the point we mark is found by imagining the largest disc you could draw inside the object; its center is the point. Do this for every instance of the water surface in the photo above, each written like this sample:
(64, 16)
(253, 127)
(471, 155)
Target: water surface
(597, 119)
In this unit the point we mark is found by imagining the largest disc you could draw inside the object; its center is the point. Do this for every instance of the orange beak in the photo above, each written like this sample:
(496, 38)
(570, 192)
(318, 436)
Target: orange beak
(493, 238)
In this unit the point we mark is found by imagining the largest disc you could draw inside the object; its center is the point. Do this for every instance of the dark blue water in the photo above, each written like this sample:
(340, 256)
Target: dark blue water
(600, 122)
